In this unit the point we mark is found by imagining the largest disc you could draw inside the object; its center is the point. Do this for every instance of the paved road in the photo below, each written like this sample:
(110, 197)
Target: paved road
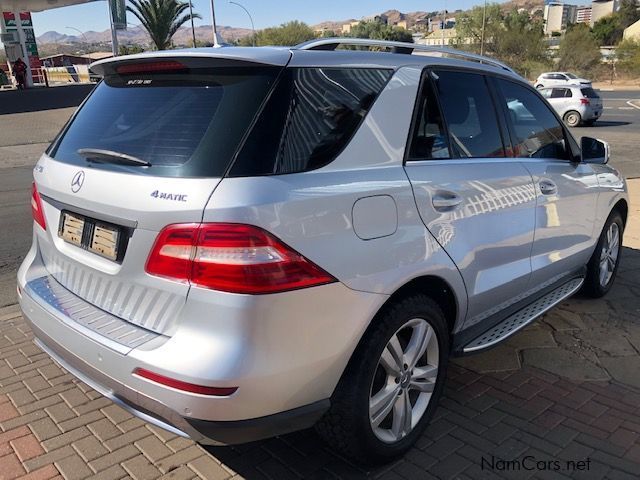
(25, 135)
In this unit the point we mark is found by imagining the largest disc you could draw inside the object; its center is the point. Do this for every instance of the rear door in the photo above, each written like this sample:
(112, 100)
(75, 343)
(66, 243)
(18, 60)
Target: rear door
(146, 150)
(478, 203)
(565, 190)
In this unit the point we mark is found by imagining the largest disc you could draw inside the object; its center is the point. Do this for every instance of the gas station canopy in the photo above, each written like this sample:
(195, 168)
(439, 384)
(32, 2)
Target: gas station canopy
(36, 5)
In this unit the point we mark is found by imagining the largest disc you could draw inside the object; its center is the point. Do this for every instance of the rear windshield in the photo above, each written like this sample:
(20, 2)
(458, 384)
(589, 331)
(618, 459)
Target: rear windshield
(589, 93)
(185, 124)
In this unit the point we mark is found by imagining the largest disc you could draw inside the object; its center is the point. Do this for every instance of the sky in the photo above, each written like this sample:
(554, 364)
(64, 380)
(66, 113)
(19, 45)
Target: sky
(94, 15)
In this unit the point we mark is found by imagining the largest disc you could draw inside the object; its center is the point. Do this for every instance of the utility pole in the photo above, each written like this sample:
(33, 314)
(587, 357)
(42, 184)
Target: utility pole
(484, 19)
(193, 28)
(114, 34)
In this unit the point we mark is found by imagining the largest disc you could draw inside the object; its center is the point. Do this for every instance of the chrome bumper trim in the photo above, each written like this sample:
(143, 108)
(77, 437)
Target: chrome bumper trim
(107, 329)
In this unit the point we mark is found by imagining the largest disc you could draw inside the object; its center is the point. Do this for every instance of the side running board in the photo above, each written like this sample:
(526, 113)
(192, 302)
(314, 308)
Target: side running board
(523, 317)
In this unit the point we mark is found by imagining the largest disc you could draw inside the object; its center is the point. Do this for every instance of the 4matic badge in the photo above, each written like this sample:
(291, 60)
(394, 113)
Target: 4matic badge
(176, 197)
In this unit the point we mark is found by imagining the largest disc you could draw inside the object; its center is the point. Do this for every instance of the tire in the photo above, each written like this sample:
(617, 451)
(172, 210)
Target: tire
(539, 86)
(572, 118)
(602, 273)
(348, 426)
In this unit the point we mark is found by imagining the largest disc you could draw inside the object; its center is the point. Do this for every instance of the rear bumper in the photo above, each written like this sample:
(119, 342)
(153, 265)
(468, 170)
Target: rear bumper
(202, 431)
(285, 354)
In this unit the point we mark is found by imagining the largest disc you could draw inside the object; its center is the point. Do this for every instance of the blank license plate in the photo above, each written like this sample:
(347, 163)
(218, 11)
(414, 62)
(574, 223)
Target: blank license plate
(93, 235)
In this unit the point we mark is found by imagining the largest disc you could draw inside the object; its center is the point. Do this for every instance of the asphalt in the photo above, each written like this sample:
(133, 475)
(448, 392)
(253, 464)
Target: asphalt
(39, 115)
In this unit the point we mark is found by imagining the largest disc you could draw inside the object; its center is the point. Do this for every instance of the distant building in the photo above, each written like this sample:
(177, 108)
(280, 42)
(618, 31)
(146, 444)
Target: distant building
(439, 23)
(442, 37)
(346, 28)
(632, 32)
(557, 16)
(602, 8)
(583, 14)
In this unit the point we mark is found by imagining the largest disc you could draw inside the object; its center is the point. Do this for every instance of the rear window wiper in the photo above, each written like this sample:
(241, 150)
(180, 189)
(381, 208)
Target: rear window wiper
(109, 156)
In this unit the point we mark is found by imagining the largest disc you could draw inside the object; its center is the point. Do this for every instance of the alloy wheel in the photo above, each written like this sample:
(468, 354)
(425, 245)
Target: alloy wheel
(609, 254)
(404, 380)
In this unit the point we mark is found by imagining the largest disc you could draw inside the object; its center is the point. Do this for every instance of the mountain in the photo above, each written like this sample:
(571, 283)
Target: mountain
(138, 35)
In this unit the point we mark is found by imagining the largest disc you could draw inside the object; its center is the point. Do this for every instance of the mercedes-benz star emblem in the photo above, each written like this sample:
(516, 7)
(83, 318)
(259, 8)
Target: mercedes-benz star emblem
(77, 181)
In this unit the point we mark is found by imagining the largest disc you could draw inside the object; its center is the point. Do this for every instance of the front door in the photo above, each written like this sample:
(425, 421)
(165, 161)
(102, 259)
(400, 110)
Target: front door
(565, 189)
(478, 204)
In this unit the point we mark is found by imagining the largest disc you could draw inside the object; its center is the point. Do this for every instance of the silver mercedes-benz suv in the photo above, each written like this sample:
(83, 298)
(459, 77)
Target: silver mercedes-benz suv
(235, 243)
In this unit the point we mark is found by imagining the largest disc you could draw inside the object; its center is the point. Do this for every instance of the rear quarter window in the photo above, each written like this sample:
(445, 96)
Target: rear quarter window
(309, 118)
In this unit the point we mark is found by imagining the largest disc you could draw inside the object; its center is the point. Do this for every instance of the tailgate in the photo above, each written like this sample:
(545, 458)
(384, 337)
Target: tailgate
(146, 150)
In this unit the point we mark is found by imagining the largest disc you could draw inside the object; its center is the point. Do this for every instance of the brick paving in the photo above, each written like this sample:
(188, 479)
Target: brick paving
(558, 400)
(53, 426)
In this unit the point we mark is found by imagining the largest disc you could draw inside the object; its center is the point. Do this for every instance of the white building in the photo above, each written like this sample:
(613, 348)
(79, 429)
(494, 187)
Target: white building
(602, 8)
(583, 14)
(557, 16)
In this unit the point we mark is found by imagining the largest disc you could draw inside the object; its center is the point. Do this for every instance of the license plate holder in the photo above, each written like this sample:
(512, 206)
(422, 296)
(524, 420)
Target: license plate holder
(99, 237)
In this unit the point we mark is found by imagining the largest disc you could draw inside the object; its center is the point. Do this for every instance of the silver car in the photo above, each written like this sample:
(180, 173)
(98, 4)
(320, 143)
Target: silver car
(236, 243)
(576, 105)
(560, 79)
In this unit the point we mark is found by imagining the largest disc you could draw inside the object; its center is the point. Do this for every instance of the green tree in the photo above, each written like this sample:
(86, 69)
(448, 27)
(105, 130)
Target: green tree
(129, 49)
(628, 57)
(291, 33)
(469, 28)
(520, 43)
(161, 18)
(608, 30)
(579, 50)
(628, 13)
(380, 31)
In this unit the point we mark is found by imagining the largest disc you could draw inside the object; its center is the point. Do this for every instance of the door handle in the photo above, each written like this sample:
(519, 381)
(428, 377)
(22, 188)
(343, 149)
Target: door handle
(446, 201)
(547, 187)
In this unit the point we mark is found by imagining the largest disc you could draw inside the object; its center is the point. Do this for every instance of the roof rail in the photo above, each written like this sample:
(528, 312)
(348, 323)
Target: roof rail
(399, 47)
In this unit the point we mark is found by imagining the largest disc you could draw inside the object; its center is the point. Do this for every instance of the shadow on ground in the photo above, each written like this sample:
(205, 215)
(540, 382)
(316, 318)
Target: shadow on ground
(37, 99)
(605, 123)
(509, 407)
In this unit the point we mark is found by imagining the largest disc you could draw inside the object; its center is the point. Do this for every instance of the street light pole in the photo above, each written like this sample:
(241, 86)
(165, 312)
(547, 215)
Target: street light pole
(80, 32)
(484, 20)
(253, 28)
(213, 21)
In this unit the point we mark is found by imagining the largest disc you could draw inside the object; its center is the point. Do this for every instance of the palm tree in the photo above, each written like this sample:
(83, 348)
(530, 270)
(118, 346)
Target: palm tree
(161, 18)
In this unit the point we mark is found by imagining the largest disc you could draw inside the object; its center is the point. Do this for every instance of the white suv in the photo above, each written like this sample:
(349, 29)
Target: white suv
(235, 243)
(554, 79)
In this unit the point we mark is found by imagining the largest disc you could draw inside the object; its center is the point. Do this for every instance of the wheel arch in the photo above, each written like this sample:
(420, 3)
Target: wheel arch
(622, 207)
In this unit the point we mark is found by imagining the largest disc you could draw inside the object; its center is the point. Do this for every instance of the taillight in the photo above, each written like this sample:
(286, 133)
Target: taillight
(36, 207)
(184, 386)
(584, 101)
(231, 257)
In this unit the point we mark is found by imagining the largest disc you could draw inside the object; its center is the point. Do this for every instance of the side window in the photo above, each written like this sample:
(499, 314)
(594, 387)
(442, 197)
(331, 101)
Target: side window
(557, 93)
(429, 140)
(309, 118)
(469, 114)
(546, 92)
(567, 93)
(538, 133)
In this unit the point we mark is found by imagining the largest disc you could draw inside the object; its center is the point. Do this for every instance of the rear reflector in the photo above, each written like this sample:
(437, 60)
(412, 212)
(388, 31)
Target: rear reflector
(150, 67)
(184, 386)
(36, 207)
(231, 257)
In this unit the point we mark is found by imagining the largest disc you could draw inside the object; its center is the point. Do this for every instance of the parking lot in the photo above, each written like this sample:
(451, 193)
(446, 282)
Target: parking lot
(566, 389)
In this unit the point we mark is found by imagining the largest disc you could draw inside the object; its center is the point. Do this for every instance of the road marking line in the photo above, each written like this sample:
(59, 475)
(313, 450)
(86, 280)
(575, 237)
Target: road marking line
(630, 102)
(627, 108)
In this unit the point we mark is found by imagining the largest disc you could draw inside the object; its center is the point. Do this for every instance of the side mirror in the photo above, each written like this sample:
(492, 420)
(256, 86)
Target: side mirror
(594, 151)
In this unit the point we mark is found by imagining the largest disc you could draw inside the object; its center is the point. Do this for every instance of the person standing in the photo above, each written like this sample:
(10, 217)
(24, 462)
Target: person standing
(20, 73)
